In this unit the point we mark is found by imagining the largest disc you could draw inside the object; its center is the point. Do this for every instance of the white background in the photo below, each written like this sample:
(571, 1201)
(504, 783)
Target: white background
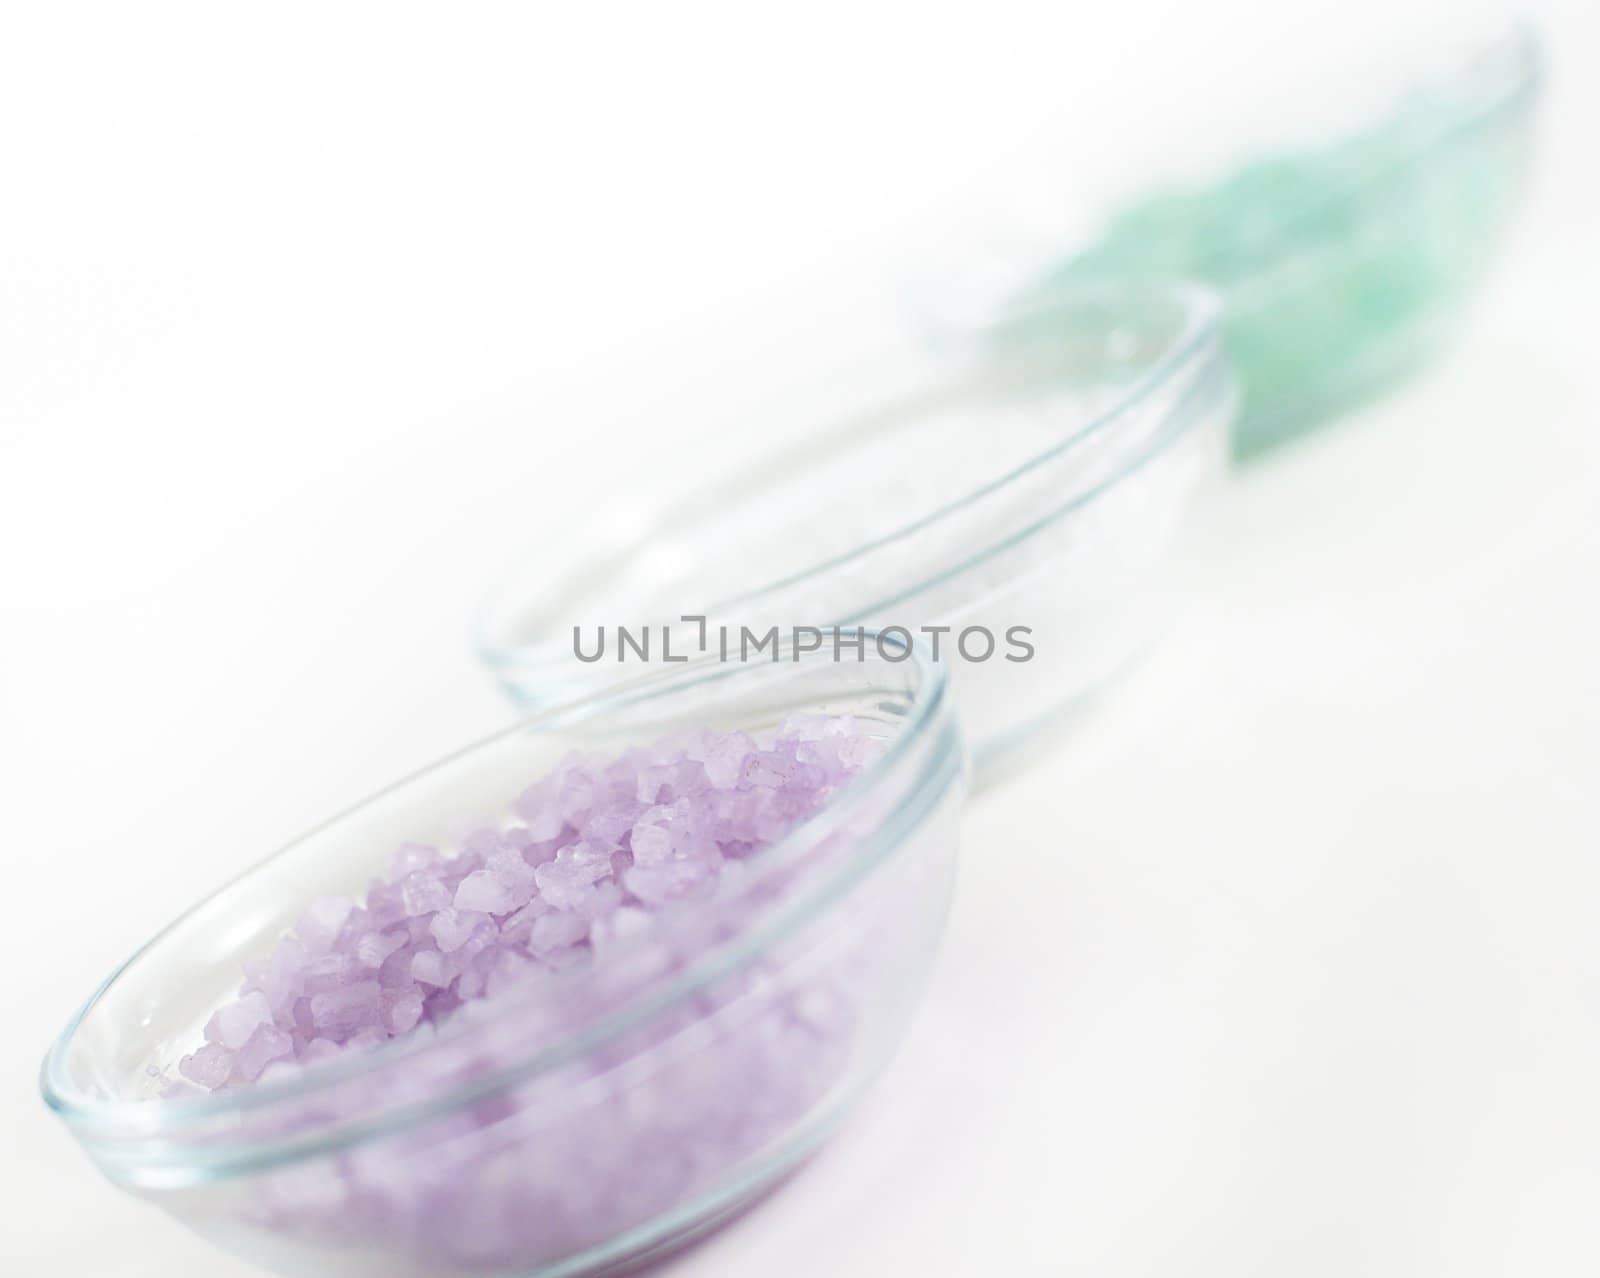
(1286, 964)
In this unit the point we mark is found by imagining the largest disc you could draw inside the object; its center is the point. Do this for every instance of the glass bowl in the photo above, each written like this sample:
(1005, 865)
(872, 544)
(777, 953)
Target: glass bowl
(619, 1109)
(1016, 509)
(1342, 258)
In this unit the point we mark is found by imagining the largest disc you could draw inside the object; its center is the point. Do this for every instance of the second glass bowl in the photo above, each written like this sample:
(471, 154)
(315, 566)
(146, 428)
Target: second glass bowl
(1018, 509)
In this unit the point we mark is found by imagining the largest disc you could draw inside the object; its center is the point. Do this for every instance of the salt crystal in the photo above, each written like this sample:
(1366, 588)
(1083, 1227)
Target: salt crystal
(452, 927)
(651, 841)
(576, 797)
(513, 883)
(564, 882)
(209, 1067)
(322, 922)
(725, 759)
(539, 812)
(484, 892)
(423, 892)
(373, 948)
(267, 1044)
(651, 781)
(233, 1025)
(432, 968)
(608, 825)
(396, 969)
(278, 975)
(514, 928)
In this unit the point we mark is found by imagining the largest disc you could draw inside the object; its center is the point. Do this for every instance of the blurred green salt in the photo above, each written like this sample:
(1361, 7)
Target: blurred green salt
(1340, 265)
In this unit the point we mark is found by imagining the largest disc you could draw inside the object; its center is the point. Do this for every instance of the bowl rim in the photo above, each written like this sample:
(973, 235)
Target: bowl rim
(103, 1123)
(1195, 344)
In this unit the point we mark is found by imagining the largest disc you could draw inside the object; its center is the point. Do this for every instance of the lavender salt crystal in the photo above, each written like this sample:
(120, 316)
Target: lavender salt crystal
(534, 926)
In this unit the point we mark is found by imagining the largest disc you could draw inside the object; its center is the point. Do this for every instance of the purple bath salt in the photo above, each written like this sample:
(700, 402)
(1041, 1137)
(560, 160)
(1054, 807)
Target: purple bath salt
(562, 897)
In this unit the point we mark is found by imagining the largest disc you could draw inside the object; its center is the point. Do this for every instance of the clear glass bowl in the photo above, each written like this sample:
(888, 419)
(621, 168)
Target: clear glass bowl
(1342, 258)
(627, 1107)
(1040, 483)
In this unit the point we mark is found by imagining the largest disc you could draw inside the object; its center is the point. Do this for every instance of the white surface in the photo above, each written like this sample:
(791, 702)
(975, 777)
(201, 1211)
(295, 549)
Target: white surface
(1286, 964)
